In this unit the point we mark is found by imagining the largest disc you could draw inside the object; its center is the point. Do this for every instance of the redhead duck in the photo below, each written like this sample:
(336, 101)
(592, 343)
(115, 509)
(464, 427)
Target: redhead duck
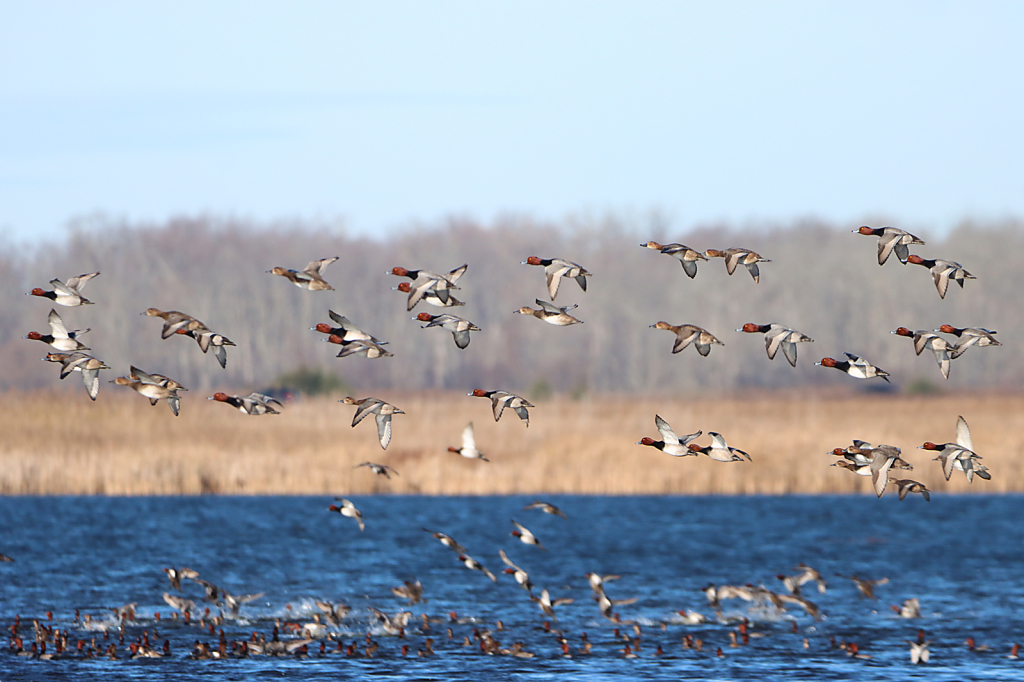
(734, 257)
(597, 581)
(919, 652)
(432, 296)
(719, 450)
(150, 387)
(865, 586)
(911, 608)
(448, 281)
(348, 509)
(392, 625)
(855, 367)
(176, 574)
(907, 486)
(345, 330)
(1014, 652)
(424, 281)
(367, 348)
(546, 508)
(474, 565)
(59, 336)
(501, 399)
(606, 605)
(179, 603)
(207, 339)
(975, 647)
(670, 443)
(691, 617)
(174, 320)
(890, 239)
(959, 453)
(942, 272)
(335, 613)
(379, 469)
(253, 404)
(468, 449)
(776, 336)
(882, 460)
(969, 336)
(310, 278)
(556, 269)
(525, 536)
(551, 314)
(411, 590)
(933, 342)
(157, 379)
(807, 574)
(686, 256)
(381, 409)
(521, 576)
(459, 327)
(547, 605)
(448, 541)
(689, 333)
(80, 362)
(67, 294)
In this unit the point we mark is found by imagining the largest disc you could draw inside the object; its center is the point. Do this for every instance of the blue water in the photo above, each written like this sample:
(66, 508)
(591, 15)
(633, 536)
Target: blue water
(962, 556)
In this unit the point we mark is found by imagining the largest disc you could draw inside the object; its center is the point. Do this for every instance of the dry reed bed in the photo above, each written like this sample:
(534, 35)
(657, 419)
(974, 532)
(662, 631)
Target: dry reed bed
(64, 444)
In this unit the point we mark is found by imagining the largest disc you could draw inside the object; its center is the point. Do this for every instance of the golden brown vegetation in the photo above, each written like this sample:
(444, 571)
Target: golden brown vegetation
(64, 444)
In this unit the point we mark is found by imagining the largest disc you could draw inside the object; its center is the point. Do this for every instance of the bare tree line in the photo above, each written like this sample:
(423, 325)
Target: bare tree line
(823, 281)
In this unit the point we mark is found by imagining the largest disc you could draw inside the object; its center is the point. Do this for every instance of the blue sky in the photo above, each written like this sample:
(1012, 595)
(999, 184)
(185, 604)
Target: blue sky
(381, 113)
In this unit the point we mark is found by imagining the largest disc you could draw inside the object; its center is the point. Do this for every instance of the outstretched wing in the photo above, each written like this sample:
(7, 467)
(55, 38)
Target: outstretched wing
(79, 282)
(963, 435)
(456, 274)
(548, 308)
(384, 429)
(685, 338)
(317, 267)
(468, 442)
(667, 434)
(57, 328)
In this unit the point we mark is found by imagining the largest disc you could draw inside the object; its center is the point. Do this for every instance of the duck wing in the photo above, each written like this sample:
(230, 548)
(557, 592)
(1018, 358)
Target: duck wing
(384, 429)
(732, 259)
(508, 562)
(468, 441)
(717, 441)
(78, 283)
(687, 334)
(523, 414)
(940, 275)
(461, 337)
(316, 268)
(455, 275)
(549, 308)
(554, 274)
(498, 401)
(667, 434)
(366, 407)
(91, 378)
(886, 243)
(221, 353)
(789, 350)
(883, 459)
(963, 435)
(942, 357)
(57, 328)
(754, 271)
(689, 267)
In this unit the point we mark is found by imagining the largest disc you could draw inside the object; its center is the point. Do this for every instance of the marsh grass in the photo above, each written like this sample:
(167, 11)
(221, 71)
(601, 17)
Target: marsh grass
(63, 444)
